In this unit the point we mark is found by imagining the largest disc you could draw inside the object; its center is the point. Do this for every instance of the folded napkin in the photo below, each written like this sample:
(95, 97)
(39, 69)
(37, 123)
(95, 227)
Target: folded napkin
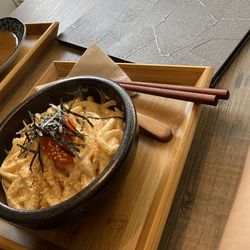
(95, 62)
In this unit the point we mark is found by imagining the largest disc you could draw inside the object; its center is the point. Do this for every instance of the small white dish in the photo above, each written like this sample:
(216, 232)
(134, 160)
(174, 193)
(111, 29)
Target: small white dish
(15, 26)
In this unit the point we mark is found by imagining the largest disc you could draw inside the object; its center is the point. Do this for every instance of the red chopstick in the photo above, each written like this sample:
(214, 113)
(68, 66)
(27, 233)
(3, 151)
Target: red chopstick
(220, 93)
(186, 93)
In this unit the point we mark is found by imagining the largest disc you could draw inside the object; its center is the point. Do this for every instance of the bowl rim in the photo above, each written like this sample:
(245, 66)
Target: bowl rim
(14, 54)
(19, 216)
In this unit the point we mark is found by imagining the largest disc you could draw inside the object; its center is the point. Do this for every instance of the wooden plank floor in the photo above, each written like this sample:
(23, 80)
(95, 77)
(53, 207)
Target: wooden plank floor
(214, 166)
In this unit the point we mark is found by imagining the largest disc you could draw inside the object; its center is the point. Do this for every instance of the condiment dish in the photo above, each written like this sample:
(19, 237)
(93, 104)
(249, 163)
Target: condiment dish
(16, 31)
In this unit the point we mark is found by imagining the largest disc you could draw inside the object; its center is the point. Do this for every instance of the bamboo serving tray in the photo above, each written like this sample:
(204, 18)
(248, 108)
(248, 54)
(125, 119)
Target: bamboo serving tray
(135, 217)
(38, 37)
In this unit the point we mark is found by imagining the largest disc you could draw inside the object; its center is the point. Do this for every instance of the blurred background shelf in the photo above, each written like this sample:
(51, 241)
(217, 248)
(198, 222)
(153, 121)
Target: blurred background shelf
(7, 6)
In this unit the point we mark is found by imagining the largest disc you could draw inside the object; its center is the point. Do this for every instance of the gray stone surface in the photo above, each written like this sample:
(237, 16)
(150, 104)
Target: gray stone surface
(192, 32)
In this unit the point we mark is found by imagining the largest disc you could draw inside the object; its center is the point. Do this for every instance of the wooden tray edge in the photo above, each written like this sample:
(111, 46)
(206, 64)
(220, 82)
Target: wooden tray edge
(20, 69)
(154, 234)
(149, 65)
(161, 215)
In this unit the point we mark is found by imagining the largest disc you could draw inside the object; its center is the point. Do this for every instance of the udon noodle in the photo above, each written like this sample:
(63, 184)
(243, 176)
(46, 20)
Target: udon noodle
(60, 152)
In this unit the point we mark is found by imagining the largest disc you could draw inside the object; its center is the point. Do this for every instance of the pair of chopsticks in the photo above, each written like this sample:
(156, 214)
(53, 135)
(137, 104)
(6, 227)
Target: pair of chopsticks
(186, 93)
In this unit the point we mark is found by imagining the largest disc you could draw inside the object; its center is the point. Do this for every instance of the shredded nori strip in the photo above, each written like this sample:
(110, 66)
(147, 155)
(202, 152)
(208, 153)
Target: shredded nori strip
(80, 116)
(55, 126)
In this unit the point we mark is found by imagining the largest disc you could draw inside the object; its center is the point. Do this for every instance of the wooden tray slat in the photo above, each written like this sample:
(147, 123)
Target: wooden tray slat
(135, 218)
(38, 37)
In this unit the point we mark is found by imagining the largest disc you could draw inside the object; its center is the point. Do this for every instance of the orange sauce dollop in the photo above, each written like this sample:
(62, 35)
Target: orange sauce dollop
(8, 44)
(58, 154)
(60, 157)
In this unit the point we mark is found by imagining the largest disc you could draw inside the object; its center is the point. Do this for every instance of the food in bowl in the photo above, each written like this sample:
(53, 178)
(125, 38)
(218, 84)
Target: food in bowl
(60, 152)
(102, 189)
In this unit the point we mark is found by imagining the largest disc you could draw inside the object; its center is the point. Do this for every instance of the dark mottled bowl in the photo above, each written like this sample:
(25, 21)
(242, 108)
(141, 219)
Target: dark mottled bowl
(15, 26)
(106, 182)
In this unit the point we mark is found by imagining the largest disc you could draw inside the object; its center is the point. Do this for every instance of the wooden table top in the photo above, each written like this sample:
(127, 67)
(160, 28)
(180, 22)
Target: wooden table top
(214, 165)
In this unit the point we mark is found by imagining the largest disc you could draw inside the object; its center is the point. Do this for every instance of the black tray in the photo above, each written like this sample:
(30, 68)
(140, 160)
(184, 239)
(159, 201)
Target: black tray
(205, 32)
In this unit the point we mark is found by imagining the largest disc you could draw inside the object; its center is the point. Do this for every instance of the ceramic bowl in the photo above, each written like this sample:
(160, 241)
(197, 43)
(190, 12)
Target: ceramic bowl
(107, 181)
(15, 26)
